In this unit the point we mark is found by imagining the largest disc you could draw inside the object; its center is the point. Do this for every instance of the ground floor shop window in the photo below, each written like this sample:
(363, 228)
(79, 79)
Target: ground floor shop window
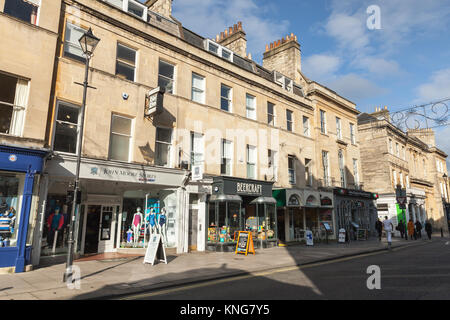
(142, 217)
(11, 188)
(311, 219)
(56, 228)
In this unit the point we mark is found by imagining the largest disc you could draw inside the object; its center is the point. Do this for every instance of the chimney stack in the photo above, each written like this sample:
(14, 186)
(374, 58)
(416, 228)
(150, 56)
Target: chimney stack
(234, 38)
(162, 7)
(284, 56)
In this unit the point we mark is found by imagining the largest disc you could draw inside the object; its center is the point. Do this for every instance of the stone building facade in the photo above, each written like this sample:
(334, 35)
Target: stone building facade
(403, 168)
(232, 138)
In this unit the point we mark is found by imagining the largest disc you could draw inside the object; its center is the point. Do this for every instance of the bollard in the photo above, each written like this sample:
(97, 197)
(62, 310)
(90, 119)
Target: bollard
(442, 233)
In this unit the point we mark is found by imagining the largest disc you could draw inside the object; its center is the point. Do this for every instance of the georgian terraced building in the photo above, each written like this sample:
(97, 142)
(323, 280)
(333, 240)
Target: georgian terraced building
(236, 146)
(402, 164)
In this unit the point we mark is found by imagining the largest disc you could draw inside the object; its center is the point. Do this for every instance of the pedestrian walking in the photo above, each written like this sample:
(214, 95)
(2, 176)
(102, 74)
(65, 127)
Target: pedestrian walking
(379, 228)
(401, 228)
(411, 229)
(388, 227)
(428, 229)
(419, 229)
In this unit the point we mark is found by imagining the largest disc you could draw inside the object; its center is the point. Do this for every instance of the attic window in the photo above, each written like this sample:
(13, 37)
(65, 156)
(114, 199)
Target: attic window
(284, 82)
(219, 50)
(131, 6)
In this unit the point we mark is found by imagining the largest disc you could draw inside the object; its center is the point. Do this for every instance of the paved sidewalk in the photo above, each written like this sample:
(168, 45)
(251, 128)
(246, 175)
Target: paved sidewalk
(125, 276)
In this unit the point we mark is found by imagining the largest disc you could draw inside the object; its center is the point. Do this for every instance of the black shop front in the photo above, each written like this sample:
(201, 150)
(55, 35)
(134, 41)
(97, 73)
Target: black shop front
(241, 205)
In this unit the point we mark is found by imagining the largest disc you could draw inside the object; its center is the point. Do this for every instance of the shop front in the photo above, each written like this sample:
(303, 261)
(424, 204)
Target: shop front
(241, 205)
(356, 212)
(121, 206)
(20, 170)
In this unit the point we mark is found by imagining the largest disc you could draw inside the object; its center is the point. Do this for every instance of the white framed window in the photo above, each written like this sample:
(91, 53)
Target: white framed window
(356, 173)
(342, 169)
(306, 130)
(326, 168)
(126, 62)
(286, 83)
(14, 93)
(407, 181)
(403, 153)
(72, 46)
(166, 76)
(251, 162)
(163, 146)
(250, 106)
(352, 133)
(219, 50)
(197, 149)
(226, 98)
(291, 169)
(308, 172)
(323, 122)
(65, 138)
(120, 140)
(198, 88)
(131, 6)
(442, 189)
(270, 113)
(390, 147)
(289, 120)
(24, 10)
(394, 174)
(338, 128)
(272, 165)
(401, 179)
(226, 165)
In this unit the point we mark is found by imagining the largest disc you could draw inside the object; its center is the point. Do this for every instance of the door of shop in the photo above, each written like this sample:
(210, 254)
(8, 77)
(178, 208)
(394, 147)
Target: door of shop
(101, 228)
(193, 219)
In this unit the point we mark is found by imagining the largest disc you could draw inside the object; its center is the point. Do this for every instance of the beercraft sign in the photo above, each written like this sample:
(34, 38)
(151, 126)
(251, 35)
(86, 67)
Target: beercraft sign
(249, 188)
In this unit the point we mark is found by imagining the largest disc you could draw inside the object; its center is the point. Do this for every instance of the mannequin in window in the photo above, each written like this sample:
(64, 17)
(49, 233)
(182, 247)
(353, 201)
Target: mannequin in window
(162, 225)
(54, 224)
(129, 235)
(152, 226)
(136, 225)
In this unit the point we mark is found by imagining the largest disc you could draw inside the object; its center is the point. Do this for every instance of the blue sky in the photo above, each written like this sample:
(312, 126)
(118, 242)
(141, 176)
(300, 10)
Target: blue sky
(404, 63)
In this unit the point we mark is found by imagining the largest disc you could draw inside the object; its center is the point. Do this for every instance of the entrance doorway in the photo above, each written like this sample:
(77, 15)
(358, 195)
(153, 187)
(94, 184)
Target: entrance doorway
(92, 229)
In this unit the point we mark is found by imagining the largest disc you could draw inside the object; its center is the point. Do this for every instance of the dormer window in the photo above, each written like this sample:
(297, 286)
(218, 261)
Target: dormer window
(286, 83)
(217, 49)
(131, 6)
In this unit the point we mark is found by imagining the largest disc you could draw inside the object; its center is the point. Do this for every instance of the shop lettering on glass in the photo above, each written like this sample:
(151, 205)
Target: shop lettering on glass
(293, 201)
(137, 175)
(249, 188)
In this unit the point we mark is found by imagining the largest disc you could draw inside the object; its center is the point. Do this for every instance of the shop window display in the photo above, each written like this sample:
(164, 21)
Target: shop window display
(327, 217)
(11, 186)
(56, 229)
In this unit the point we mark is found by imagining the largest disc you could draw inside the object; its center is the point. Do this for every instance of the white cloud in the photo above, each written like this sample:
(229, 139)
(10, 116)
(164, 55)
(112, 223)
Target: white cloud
(320, 67)
(355, 87)
(437, 88)
(379, 66)
(348, 30)
(209, 17)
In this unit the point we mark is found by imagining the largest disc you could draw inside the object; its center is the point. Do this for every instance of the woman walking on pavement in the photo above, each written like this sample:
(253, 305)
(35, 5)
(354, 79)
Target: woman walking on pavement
(379, 228)
(419, 229)
(428, 229)
(411, 229)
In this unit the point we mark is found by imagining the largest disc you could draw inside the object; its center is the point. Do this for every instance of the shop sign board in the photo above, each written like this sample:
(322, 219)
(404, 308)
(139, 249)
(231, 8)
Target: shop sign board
(245, 243)
(326, 201)
(154, 101)
(197, 172)
(341, 235)
(293, 201)
(309, 238)
(155, 250)
(248, 188)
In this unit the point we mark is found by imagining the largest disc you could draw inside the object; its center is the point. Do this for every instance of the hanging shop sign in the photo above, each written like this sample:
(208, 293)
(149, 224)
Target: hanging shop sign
(197, 173)
(155, 250)
(248, 188)
(245, 243)
(154, 101)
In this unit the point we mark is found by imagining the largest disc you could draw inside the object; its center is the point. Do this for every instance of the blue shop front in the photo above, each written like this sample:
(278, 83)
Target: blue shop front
(20, 169)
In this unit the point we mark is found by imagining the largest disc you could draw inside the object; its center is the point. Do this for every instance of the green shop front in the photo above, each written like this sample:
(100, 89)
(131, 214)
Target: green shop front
(241, 205)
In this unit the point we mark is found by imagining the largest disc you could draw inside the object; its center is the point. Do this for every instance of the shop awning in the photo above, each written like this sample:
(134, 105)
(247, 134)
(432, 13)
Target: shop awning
(225, 197)
(261, 200)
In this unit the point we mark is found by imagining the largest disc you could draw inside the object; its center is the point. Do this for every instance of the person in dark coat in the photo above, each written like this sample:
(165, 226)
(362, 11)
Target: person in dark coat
(428, 229)
(401, 228)
(379, 228)
(419, 229)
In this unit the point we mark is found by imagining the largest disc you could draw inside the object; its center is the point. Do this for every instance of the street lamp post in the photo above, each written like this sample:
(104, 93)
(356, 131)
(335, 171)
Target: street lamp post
(88, 43)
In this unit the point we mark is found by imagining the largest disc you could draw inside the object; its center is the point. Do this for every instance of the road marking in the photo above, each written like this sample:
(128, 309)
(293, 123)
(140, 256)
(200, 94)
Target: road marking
(253, 274)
